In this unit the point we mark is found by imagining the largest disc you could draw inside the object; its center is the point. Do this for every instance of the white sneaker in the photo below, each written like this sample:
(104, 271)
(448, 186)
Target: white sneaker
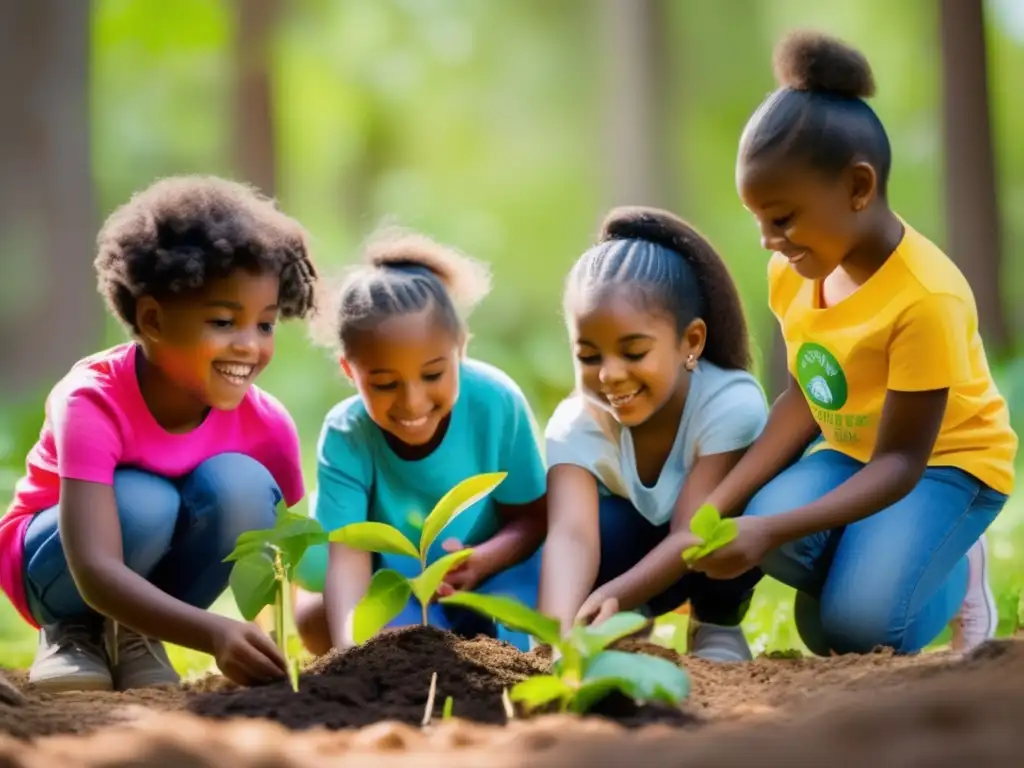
(979, 616)
(713, 642)
(71, 657)
(137, 661)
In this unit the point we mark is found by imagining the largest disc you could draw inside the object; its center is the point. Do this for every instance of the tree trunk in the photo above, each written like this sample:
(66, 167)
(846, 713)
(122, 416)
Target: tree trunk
(636, 97)
(255, 156)
(972, 210)
(49, 312)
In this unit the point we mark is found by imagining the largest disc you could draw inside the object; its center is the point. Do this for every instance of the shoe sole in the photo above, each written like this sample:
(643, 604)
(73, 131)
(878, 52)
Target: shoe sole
(72, 685)
(990, 599)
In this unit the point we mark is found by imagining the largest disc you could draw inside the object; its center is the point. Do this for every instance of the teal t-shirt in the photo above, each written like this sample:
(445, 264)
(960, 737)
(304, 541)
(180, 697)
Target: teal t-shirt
(359, 477)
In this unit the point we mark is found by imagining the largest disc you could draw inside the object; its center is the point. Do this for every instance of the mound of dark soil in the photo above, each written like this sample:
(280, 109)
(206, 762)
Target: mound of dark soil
(388, 678)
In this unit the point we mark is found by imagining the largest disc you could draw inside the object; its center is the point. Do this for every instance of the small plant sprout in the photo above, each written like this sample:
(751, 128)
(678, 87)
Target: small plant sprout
(449, 708)
(712, 529)
(389, 590)
(264, 566)
(586, 671)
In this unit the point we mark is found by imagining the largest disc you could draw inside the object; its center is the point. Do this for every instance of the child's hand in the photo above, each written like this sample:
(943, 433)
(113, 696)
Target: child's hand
(466, 575)
(746, 551)
(597, 609)
(245, 654)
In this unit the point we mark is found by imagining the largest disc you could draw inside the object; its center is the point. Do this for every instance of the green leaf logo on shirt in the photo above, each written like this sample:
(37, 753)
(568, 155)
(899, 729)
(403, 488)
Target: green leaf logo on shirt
(821, 377)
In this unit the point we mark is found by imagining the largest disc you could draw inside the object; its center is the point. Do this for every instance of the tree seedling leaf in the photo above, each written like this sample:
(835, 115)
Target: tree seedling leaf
(713, 530)
(593, 689)
(374, 537)
(591, 640)
(510, 613)
(385, 597)
(455, 502)
(641, 676)
(425, 585)
(253, 582)
(539, 690)
(449, 707)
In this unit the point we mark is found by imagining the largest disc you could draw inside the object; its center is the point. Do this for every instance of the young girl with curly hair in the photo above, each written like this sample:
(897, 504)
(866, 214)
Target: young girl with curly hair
(156, 454)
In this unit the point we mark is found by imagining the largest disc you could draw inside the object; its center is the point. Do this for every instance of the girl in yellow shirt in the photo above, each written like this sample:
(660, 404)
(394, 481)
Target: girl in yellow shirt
(880, 524)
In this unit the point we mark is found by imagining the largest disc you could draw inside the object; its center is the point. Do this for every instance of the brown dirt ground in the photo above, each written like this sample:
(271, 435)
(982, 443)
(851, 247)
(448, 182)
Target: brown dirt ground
(933, 710)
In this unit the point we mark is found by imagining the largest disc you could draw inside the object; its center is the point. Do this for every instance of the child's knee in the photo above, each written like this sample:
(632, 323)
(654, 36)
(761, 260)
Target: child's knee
(860, 624)
(147, 508)
(237, 489)
(311, 622)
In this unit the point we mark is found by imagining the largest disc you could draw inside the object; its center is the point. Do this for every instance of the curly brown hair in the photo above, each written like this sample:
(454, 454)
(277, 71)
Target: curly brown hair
(674, 270)
(172, 237)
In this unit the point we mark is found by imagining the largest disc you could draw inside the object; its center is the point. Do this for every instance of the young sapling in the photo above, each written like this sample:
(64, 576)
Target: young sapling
(586, 671)
(389, 590)
(264, 567)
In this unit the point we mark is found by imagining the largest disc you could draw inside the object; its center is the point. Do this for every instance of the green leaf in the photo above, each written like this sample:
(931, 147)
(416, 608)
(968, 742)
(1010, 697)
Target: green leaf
(374, 537)
(248, 543)
(384, 599)
(246, 549)
(539, 690)
(642, 677)
(455, 502)
(510, 613)
(425, 585)
(253, 582)
(591, 640)
(294, 547)
(449, 706)
(704, 521)
(726, 531)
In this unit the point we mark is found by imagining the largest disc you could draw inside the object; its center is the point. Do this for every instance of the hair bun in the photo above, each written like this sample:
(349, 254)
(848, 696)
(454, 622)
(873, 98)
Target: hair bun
(806, 60)
(466, 280)
(650, 224)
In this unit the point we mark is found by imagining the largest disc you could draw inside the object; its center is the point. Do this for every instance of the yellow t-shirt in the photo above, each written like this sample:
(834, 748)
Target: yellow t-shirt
(913, 326)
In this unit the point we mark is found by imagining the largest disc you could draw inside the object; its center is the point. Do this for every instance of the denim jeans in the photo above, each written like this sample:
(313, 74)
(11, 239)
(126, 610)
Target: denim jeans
(893, 579)
(627, 537)
(174, 533)
(520, 582)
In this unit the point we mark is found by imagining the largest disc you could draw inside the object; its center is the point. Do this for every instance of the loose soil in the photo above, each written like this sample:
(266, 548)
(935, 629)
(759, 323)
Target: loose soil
(932, 710)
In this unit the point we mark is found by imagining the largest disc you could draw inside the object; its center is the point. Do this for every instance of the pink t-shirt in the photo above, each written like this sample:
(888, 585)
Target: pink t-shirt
(96, 421)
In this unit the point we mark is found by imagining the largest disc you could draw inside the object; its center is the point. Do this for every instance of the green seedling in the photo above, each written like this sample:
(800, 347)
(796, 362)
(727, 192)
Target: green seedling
(389, 590)
(712, 529)
(449, 708)
(586, 672)
(264, 567)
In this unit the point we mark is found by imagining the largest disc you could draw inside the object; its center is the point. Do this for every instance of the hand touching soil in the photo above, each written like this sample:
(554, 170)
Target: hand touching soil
(245, 654)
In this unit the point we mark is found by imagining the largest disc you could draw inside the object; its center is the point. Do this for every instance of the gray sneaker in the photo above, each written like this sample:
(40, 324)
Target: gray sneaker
(713, 642)
(138, 661)
(71, 657)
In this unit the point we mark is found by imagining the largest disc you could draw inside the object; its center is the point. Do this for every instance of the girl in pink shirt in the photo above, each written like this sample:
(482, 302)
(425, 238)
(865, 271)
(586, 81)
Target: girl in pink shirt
(156, 454)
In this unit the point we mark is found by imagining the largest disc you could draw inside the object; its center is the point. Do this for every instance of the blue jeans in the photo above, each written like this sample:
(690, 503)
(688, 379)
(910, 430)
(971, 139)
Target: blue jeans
(893, 579)
(520, 582)
(627, 537)
(174, 533)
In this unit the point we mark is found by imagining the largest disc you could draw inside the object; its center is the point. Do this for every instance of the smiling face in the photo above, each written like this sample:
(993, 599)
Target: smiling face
(407, 372)
(629, 361)
(209, 346)
(810, 219)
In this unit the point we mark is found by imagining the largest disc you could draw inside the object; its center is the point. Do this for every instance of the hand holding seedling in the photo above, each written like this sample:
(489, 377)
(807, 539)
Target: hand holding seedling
(245, 655)
(731, 546)
(597, 609)
(466, 575)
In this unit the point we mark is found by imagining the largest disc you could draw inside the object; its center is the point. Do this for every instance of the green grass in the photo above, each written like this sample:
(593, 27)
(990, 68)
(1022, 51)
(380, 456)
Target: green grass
(769, 624)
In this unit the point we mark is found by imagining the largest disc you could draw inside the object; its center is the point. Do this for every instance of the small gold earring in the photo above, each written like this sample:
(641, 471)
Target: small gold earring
(691, 363)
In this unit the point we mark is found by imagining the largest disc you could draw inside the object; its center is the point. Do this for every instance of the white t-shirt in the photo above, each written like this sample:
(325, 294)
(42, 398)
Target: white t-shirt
(725, 411)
